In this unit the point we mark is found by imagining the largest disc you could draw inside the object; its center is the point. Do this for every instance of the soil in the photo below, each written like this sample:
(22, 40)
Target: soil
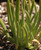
(4, 43)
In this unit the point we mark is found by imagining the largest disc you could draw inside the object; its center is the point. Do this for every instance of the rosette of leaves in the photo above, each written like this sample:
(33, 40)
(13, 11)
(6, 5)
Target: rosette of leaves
(24, 32)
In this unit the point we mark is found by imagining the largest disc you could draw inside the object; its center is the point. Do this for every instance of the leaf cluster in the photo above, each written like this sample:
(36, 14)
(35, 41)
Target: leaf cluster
(24, 32)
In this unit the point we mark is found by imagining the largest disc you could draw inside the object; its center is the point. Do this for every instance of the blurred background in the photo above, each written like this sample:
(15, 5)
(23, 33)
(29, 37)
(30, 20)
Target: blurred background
(15, 0)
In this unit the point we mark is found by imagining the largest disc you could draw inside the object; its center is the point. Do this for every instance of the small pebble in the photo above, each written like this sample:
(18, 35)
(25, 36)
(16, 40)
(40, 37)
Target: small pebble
(1, 48)
(7, 26)
(6, 19)
(8, 42)
(4, 4)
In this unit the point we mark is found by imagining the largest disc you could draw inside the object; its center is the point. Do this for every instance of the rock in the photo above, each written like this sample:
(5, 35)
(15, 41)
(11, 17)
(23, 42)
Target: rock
(8, 42)
(4, 4)
(1, 48)
(6, 19)
(3, 10)
(7, 26)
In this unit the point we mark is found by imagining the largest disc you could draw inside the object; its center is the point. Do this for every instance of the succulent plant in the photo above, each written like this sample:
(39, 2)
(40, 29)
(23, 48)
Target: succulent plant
(24, 32)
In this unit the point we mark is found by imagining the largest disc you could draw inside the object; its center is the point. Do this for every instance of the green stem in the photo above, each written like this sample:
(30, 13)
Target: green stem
(17, 10)
(2, 24)
(29, 4)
